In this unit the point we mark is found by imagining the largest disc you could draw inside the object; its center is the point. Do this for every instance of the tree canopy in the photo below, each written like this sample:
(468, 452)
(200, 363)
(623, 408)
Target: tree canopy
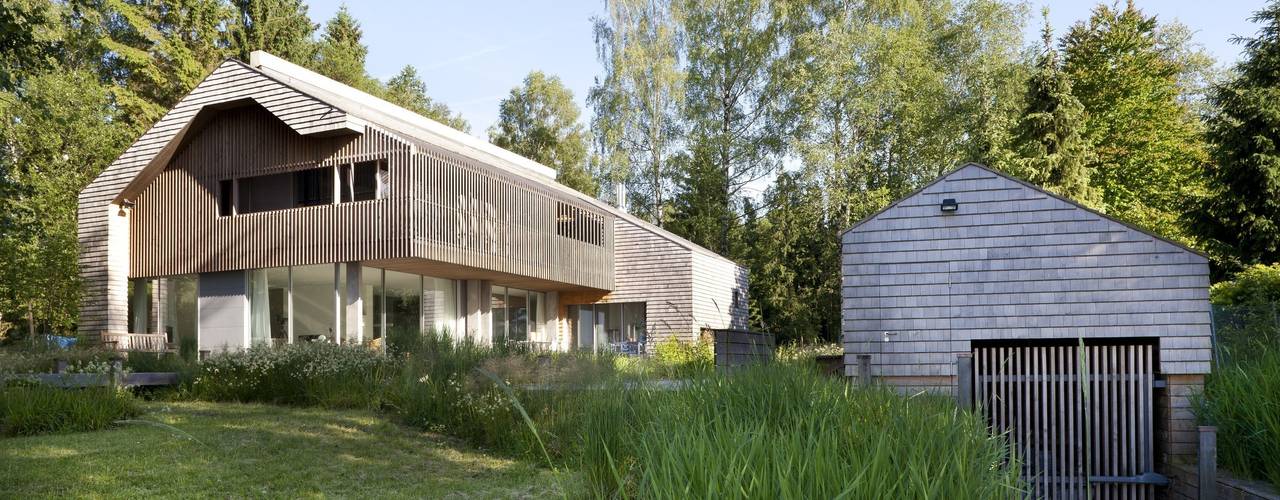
(539, 120)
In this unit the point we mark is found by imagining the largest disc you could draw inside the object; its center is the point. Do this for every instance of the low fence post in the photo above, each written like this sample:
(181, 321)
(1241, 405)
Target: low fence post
(964, 380)
(864, 369)
(117, 372)
(1208, 473)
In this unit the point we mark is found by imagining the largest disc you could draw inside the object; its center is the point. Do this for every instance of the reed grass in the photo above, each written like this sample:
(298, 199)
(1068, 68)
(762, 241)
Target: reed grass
(1242, 398)
(29, 408)
(774, 431)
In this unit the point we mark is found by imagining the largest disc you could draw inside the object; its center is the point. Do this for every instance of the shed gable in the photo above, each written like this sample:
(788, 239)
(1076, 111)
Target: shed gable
(1013, 262)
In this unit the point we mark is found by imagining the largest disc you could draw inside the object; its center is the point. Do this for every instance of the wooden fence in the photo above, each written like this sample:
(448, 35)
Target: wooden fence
(740, 347)
(1079, 419)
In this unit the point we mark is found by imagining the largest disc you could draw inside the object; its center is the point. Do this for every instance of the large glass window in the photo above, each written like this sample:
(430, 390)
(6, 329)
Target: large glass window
(518, 315)
(440, 305)
(498, 311)
(537, 331)
(140, 299)
(618, 327)
(269, 306)
(313, 302)
(404, 304)
(180, 318)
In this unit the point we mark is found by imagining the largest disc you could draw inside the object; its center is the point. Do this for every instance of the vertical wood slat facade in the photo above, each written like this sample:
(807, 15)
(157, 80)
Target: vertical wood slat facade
(456, 209)
(1079, 419)
(440, 208)
(103, 236)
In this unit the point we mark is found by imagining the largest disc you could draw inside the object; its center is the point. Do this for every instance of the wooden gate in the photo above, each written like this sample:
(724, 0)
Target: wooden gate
(1079, 418)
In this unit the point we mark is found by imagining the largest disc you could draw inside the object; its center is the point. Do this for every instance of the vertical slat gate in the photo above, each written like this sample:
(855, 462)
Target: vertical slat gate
(1079, 419)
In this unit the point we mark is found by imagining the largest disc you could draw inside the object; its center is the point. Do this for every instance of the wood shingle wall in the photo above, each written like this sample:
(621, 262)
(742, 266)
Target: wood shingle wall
(1012, 263)
(1016, 264)
(715, 282)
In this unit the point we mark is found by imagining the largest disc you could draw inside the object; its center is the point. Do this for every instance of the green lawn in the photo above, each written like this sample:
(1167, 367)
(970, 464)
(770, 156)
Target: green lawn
(260, 451)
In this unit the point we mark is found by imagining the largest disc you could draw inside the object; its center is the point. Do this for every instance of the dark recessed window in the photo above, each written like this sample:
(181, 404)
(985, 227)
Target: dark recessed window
(361, 181)
(579, 224)
(226, 197)
(313, 187)
(264, 192)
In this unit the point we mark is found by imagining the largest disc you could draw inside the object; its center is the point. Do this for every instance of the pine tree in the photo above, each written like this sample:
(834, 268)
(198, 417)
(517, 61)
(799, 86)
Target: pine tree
(1241, 217)
(1050, 146)
(1147, 141)
(281, 27)
(342, 52)
(540, 121)
(408, 90)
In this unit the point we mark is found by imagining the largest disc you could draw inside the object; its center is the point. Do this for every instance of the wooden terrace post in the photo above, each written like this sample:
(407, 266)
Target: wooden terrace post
(864, 369)
(964, 380)
(1208, 473)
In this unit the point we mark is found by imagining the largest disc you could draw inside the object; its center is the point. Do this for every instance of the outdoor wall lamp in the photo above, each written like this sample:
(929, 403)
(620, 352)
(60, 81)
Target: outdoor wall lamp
(950, 205)
(125, 205)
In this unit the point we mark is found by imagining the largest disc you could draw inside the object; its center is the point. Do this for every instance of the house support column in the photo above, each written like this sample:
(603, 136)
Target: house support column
(552, 322)
(353, 330)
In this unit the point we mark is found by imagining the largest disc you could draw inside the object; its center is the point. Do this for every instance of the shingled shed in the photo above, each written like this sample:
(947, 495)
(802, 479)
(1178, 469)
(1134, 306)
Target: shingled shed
(1038, 299)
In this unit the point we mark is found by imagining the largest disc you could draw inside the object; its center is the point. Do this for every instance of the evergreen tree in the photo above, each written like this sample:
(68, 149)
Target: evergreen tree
(1241, 218)
(1050, 146)
(341, 53)
(540, 121)
(152, 52)
(29, 29)
(408, 90)
(281, 27)
(1147, 142)
(730, 111)
(702, 210)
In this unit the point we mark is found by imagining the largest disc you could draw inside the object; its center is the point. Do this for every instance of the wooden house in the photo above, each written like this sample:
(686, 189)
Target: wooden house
(273, 205)
(1079, 336)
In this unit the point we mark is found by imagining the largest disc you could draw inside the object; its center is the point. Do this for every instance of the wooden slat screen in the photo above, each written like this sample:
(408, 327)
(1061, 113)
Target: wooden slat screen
(1079, 418)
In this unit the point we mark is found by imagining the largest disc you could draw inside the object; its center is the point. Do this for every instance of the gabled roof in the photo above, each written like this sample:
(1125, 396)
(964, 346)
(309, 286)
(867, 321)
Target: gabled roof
(312, 104)
(1028, 185)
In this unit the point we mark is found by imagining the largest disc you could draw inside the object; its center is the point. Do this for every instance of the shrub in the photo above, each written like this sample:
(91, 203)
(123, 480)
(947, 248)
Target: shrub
(304, 374)
(676, 358)
(1243, 400)
(807, 353)
(29, 408)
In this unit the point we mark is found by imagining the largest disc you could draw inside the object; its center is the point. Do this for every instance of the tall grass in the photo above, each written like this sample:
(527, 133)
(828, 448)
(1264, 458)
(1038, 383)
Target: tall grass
(770, 431)
(28, 408)
(1242, 398)
(783, 431)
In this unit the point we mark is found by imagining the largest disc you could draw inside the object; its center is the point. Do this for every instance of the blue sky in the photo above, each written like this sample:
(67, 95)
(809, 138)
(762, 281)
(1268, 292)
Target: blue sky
(471, 53)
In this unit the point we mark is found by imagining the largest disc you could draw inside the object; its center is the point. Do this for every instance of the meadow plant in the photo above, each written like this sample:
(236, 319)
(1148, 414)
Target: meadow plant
(303, 374)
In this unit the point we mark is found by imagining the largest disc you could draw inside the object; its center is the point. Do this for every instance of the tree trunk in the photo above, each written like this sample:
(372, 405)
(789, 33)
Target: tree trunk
(31, 323)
